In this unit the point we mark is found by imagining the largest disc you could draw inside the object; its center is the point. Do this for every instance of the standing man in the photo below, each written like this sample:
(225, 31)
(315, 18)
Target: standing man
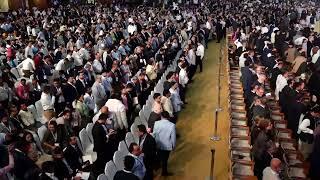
(199, 56)
(149, 148)
(101, 135)
(165, 135)
(98, 92)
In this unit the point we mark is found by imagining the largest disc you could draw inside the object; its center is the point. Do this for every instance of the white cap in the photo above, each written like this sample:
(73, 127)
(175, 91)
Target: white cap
(269, 55)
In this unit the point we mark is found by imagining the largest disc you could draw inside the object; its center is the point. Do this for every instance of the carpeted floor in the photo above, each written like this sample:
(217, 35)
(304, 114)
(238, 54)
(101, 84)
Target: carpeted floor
(191, 160)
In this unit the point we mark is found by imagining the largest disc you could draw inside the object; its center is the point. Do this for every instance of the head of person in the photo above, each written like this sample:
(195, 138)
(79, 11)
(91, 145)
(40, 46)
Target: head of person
(24, 107)
(13, 111)
(275, 164)
(104, 110)
(128, 163)
(23, 82)
(81, 75)
(170, 76)
(52, 126)
(4, 118)
(157, 97)
(103, 118)
(299, 85)
(134, 149)
(72, 139)
(28, 137)
(264, 125)
(166, 93)
(142, 130)
(315, 111)
(57, 153)
(260, 91)
(165, 115)
(23, 146)
(66, 114)
(99, 79)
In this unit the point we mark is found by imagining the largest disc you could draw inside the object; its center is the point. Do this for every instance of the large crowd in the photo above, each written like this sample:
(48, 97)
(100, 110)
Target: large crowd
(70, 67)
(76, 71)
(277, 54)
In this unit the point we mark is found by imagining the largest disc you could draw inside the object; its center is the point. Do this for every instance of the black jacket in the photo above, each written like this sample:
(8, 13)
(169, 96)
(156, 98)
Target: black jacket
(69, 92)
(121, 175)
(149, 148)
(73, 156)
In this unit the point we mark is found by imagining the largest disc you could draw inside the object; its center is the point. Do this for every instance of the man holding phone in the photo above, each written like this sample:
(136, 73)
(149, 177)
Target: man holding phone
(101, 135)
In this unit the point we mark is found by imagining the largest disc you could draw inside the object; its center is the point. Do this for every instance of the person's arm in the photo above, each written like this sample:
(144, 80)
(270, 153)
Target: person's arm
(304, 126)
(173, 137)
(124, 118)
(7, 168)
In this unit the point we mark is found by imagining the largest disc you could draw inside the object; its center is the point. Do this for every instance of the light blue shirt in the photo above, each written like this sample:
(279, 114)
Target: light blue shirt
(164, 133)
(139, 168)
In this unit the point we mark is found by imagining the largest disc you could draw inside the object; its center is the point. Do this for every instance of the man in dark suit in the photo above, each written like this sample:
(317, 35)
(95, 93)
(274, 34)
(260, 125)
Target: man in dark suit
(69, 90)
(260, 108)
(81, 84)
(53, 137)
(62, 169)
(247, 78)
(24, 167)
(126, 174)
(101, 135)
(149, 148)
(73, 154)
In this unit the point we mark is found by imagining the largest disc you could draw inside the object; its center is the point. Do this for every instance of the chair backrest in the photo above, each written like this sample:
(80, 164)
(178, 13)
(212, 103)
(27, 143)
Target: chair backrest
(129, 138)
(110, 170)
(33, 110)
(15, 72)
(118, 159)
(102, 177)
(39, 108)
(89, 131)
(123, 147)
(41, 131)
(85, 141)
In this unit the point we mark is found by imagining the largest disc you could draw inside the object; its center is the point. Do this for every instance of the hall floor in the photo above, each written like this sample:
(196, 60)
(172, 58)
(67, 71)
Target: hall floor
(191, 160)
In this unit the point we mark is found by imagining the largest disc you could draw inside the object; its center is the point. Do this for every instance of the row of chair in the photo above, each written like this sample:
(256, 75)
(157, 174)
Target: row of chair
(242, 165)
(117, 163)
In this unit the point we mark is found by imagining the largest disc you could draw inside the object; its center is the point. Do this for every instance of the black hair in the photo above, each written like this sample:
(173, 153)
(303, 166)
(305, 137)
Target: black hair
(131, 147)
(142, 128)
(128, 163)
(156, 95)
(103, 116)
(165, 115)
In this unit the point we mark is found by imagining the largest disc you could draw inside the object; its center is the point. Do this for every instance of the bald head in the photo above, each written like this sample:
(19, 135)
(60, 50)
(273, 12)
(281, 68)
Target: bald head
(104, 110)
(275, 164)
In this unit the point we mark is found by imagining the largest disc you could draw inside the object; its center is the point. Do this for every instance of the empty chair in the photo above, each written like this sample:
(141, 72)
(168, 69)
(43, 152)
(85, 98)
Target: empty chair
(241, 153)
(243, 142)
(15, 72)
(110, 170)
(87, 146)
(238, 122)
(41, 131)
(102, 177)
(242, 168)
(34, 112)
(123, 148)
(118, 159)
(129, 139)
(39, 109)
(239, 131)
(89, 131)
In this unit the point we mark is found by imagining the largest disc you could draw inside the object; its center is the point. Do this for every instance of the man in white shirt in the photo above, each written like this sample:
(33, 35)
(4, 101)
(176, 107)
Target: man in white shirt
(132, 28)
(96, 64)
(199, 56)
(118, 111)
(26, 116)
(192, 61)
(272, 172)
(281, 83)
(62, 65)
(28, 51)
(27, 66)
